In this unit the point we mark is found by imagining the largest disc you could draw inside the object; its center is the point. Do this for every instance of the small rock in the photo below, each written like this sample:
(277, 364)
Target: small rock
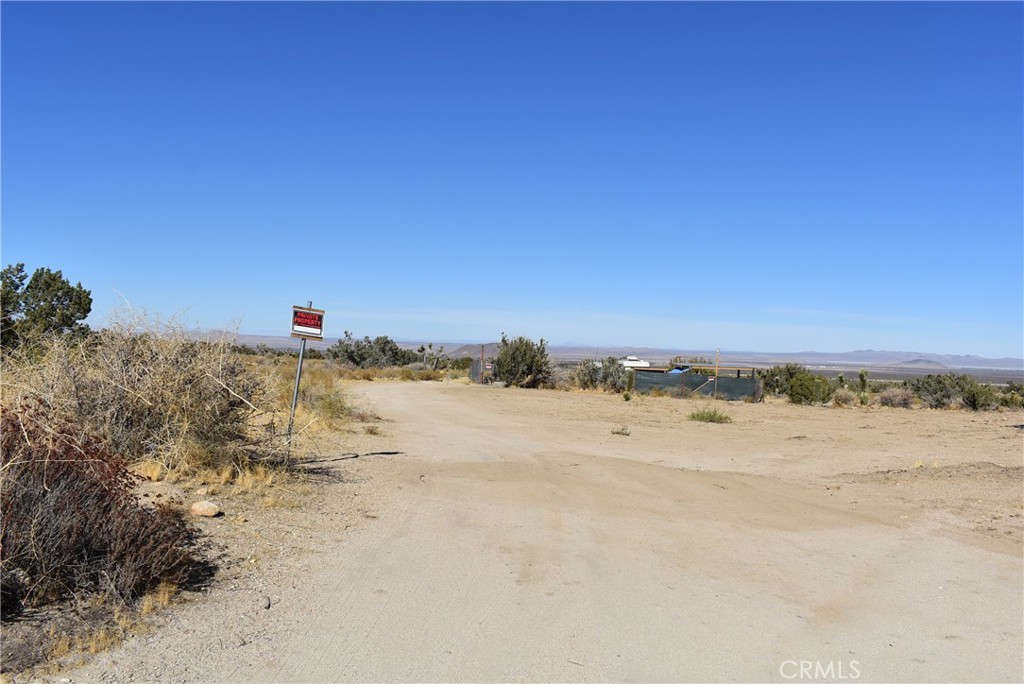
(206, 509)
(266, 603)
(202, 491)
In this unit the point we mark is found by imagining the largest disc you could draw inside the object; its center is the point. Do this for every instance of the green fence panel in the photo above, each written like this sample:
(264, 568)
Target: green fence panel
(685, 384)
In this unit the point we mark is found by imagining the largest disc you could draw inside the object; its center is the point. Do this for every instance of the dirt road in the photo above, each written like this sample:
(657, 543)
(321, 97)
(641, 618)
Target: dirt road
(512, 535)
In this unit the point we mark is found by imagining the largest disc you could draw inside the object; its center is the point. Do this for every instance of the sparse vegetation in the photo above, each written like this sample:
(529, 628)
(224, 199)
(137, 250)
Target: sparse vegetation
(623, 431)
(710, 415)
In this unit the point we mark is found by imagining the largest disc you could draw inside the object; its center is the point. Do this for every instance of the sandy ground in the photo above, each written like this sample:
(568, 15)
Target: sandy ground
(509, 535)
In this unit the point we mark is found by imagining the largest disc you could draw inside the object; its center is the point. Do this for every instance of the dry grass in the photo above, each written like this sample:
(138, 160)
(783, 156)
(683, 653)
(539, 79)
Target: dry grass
(151, 470)
(896, 397)
(157, 599)
(257, 479)
(844, 397)
(151, 391)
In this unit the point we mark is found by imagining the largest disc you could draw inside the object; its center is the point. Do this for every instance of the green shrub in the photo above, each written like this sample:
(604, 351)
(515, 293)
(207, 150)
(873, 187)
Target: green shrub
(1011, 399)
(585, 375)
(614, 376)
(521, 362)
(710, 415)
(941, 391)
(805, 388)
(979, 397)
(776, 379)
(380, 352)
(609, 374)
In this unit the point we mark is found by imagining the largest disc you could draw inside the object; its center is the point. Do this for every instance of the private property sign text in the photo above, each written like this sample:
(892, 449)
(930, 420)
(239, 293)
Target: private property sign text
(307, 323)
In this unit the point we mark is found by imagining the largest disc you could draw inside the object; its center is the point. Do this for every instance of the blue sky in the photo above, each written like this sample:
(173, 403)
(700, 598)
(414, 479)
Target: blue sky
(758, 177)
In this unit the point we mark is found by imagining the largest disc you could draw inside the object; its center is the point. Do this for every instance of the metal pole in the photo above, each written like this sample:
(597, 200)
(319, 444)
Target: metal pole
(716, 373)
(298, 376)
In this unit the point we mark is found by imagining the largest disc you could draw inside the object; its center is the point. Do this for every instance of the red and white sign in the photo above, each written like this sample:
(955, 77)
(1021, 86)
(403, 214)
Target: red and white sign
(307, 323)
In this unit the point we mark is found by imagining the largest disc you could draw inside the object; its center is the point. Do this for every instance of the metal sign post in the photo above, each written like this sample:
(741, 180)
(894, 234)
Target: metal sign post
(307, 324)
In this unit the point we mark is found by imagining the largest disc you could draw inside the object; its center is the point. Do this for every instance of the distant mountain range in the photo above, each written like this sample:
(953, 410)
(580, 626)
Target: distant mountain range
(868, 358)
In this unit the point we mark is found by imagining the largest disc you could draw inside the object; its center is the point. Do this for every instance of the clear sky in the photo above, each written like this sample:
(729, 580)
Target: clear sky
(754, 177)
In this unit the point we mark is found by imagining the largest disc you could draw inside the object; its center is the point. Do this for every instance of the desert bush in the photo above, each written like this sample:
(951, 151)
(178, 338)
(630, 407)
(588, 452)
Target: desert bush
(777, 379)
(614, 376)
(609, 374)
(896, 397)
(805, 388)
(69, 521)
(521, 362)
(844, 396)
(710, 415)
(380, 352)
(149, 391)
(980, 397)
(941, 391)
(1012, 396)
(586, 375)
